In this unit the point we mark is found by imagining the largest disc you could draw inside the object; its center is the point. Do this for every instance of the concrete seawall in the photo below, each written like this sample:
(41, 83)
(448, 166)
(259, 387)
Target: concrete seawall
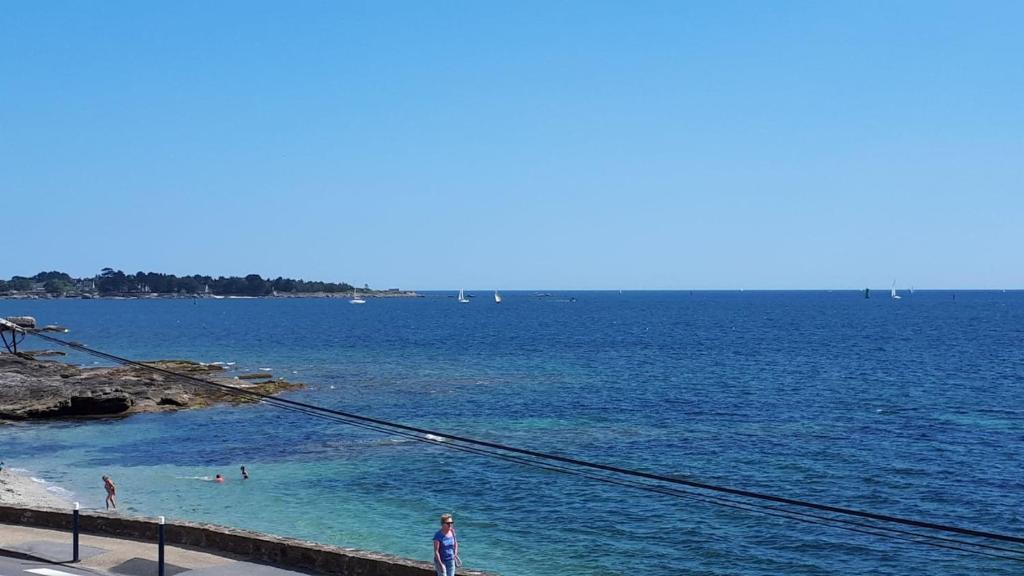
(253, 546)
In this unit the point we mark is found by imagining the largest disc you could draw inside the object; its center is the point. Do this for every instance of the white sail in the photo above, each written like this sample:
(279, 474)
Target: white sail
(355, 298)
(892, 293)
(497, 297)
(462, 296)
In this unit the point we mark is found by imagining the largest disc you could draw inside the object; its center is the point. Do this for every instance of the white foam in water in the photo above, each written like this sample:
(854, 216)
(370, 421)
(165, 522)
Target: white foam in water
(266, 369)
(59, 491)
(40, 480)
(434, 438)
(396, 440)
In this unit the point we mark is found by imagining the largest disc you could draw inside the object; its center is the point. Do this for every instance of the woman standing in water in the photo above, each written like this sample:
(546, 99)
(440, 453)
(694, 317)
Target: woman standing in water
(108, 484)
(446, 547)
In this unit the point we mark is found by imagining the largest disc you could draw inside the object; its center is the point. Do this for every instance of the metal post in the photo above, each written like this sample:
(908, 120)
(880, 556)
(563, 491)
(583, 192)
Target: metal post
(160, 554)
(74, 531)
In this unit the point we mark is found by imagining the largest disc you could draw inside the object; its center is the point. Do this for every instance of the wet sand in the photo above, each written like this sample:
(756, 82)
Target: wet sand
(17, 488)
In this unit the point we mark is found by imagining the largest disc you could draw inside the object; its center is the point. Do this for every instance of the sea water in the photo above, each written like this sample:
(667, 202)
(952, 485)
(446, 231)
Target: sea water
(911, 408)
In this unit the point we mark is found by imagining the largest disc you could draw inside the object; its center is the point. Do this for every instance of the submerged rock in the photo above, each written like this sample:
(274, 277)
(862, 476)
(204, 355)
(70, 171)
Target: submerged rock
(39, 389)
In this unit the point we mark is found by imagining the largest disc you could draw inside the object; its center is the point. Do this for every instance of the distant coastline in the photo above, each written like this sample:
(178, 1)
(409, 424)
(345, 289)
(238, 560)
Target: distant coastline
(15, 295)
(110, 283)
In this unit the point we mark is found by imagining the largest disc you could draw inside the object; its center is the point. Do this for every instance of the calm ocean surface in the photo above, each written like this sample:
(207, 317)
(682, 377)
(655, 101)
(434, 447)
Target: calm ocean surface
(912, 407)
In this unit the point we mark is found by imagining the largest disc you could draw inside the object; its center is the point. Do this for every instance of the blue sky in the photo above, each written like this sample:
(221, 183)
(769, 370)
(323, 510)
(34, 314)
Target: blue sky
(559, 145)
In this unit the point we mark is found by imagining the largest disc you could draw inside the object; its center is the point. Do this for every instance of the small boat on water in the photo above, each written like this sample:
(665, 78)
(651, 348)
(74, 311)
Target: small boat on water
(355, 298)
(462, 297)
(497, 297)
(892, 293)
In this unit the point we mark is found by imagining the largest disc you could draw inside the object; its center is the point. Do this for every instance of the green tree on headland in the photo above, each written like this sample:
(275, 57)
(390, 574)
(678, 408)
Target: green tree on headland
(54, 275)
(20, 284)
(256, 286)
(283, 285)
(56, 286)
(111, 281)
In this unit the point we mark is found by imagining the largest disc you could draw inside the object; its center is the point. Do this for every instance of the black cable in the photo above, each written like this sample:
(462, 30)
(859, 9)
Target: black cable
(877, 531)
(567, 460)
(13, 345)
(873, 530)
(749, 507)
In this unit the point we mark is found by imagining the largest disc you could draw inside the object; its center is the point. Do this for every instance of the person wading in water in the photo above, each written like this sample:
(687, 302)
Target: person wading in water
(111, 492)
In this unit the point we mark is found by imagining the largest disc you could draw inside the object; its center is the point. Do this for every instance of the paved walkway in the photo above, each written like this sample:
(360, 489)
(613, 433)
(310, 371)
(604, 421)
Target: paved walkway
(123, 557)
(22, 567)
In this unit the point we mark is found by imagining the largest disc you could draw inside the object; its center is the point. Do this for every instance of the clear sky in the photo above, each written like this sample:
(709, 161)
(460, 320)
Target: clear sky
(558, 145)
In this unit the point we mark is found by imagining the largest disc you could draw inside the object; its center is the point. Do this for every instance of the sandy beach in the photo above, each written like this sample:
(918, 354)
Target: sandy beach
(17, 488)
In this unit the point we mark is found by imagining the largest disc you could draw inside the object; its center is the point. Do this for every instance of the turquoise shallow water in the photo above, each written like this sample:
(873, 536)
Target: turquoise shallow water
(910, 408)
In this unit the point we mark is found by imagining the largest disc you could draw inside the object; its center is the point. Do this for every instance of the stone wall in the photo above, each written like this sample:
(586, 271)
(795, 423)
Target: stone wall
(250, 546)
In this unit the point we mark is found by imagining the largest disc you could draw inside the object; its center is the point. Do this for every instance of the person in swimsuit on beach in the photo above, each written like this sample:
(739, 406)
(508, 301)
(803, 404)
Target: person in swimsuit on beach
(108, 484)
(446, 547)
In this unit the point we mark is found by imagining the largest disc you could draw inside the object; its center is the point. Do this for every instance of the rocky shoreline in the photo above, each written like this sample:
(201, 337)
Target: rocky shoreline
(32, 389)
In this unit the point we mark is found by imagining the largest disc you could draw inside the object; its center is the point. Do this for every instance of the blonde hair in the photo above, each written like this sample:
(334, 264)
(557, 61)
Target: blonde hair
(446, 517)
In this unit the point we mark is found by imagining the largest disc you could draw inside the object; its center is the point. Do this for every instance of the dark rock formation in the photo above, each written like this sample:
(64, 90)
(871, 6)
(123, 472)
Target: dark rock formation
(36, 389)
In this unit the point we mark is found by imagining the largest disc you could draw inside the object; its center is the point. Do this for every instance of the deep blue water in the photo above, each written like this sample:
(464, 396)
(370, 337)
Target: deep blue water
(910, 407)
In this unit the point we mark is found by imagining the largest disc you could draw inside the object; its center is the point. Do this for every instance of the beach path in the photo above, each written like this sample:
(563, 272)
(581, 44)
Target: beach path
(116, 556)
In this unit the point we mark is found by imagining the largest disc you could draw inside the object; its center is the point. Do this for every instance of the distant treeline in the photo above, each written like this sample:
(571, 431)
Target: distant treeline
(110, 281)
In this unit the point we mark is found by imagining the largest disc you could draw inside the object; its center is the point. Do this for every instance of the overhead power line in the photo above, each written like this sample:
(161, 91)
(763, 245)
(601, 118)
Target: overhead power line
(546, 461)
(838, 523)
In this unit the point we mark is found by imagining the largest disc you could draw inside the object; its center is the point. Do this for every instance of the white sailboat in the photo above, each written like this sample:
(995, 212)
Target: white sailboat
(497, 297)
(462, 297)
(892, 293)
(355, 298)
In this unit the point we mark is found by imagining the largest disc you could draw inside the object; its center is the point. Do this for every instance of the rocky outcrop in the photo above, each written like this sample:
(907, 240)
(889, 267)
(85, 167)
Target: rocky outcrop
(37, 389)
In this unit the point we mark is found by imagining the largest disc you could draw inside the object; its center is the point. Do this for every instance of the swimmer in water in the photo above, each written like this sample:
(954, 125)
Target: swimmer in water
(218, 479)
(245, 474)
